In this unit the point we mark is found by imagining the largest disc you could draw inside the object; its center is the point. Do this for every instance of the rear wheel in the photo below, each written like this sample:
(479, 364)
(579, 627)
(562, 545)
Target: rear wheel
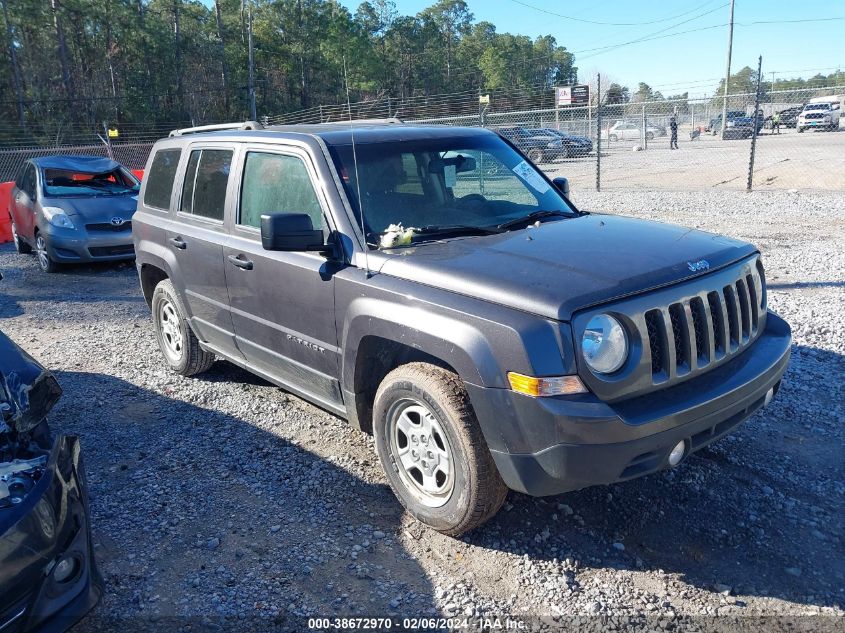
(432, 450)
(613, 138)
(180, 347)
(649, 136)
(20, 246)
(535, 155)
(44, 260)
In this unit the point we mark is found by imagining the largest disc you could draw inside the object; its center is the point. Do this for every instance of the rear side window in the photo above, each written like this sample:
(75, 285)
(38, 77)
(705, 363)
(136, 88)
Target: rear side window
(206, 179)
(275, 183)
(160, 178)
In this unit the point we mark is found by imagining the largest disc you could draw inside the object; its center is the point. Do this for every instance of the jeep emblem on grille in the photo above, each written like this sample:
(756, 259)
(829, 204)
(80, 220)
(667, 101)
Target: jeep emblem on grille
(117, 221)
(701, 264)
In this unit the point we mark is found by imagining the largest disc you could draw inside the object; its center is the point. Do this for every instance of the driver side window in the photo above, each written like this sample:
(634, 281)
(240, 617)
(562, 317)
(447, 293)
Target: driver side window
(277, 183)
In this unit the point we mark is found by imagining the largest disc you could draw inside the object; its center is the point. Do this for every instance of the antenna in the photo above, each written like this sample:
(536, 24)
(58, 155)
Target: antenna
(357, 180)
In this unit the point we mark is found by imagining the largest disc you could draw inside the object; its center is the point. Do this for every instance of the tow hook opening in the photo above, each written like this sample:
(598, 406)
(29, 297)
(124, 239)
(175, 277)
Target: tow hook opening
(679, 451)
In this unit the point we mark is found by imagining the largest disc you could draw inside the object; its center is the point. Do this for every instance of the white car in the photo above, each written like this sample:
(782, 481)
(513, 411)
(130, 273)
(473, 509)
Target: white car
(823, 115)
(628, 132)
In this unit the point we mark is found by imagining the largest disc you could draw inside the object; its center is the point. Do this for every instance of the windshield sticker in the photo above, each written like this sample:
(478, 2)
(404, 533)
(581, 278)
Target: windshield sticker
(451, 174)
(530, 176)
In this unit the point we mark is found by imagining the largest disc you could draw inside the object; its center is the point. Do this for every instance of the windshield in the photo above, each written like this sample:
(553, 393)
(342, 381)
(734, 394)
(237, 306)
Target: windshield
(64, 183)
(476, 182)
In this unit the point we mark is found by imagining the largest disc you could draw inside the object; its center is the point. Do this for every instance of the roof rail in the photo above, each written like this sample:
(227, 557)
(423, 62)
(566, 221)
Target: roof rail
(389, 121)
(246, 125)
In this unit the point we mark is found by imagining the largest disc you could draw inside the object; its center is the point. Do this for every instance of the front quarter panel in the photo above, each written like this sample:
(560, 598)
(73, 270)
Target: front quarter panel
(479, 340)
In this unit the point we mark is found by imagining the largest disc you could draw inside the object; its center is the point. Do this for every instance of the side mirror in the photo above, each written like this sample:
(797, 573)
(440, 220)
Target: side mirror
(562, 185)
(290, 232)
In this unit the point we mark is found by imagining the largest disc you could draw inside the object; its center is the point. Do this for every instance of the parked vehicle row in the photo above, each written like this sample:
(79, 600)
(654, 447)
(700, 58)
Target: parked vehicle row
(546, 144)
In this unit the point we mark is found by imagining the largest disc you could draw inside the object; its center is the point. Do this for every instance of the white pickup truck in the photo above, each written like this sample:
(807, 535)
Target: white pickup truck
(822, 113)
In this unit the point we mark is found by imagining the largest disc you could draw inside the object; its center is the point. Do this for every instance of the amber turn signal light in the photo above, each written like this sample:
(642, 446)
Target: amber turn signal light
(550, 386)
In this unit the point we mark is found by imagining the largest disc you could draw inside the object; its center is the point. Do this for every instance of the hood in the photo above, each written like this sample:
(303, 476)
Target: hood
(564, 266)
(96, 209)
(27, 391)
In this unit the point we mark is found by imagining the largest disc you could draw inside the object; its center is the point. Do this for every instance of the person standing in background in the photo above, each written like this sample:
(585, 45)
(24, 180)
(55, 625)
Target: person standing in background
(673, 128)
(776, 123)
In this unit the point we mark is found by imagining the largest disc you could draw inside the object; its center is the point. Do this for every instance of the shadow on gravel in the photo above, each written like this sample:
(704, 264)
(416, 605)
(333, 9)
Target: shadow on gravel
(199, 512)
(760, 511)
(72, 284)
(806, 284)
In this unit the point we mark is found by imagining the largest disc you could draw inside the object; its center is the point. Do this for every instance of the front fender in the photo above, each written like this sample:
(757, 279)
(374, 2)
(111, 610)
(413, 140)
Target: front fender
(455, 341)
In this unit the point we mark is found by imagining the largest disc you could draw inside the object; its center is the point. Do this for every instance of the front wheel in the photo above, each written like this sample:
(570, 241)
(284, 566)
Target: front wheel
(649, 136)
(45, 262)
(432, 450)
(20, 246)
(179, 345)
(613, 138)
(799, 129)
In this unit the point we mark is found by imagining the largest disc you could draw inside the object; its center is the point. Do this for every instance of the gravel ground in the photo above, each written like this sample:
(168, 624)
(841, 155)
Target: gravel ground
(223, 503)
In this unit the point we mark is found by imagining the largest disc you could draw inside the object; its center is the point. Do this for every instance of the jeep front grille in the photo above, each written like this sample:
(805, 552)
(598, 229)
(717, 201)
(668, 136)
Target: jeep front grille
(684, 330)
(698, 327)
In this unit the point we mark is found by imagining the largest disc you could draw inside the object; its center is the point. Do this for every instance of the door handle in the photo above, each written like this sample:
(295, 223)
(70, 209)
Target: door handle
(178, 242)
(240, 263)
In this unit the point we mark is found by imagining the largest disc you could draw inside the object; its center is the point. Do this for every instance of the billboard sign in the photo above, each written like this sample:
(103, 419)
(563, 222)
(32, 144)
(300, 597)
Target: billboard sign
(572, 95)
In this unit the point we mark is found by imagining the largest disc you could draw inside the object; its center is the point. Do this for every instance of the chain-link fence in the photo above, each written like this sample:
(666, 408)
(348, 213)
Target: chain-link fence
(614, 146)
(635, 137)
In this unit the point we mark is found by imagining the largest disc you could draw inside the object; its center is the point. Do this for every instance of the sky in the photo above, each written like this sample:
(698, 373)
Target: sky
(692, 62)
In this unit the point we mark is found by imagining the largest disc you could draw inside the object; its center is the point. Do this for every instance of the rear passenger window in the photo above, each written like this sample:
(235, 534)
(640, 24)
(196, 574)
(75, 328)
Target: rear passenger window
(160, 178)
(274, 183)
(206, 179)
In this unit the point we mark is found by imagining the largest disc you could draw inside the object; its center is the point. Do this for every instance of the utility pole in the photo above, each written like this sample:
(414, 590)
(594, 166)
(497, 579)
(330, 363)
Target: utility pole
(727, 71)
(251, 87)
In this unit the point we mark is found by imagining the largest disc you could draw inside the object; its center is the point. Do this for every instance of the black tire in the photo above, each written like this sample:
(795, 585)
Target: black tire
(799, 129)
(649, 136)
(535, 155)
(42, 255)
(613, 138)
(477, 491)
(20, 246)
(185, 356)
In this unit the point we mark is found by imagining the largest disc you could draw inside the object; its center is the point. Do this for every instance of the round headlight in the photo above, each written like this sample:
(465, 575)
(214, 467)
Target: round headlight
(604, 344)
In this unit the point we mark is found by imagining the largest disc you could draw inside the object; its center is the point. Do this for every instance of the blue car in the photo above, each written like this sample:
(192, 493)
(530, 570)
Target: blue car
(73, 209)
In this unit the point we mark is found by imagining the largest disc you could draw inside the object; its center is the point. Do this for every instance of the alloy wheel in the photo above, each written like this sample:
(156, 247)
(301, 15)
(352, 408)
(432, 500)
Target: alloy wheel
(41, 252)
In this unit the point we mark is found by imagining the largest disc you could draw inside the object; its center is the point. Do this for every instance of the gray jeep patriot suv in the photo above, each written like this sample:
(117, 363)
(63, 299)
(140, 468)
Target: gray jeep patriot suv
(434, 288)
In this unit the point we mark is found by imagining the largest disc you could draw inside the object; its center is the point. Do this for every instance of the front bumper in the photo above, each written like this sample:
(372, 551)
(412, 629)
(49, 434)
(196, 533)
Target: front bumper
(68, 246)
(51, 523)
(815, 123)
(546, 446)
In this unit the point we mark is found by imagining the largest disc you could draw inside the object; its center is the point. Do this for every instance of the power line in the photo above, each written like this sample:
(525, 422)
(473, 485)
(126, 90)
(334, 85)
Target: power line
(585, 21)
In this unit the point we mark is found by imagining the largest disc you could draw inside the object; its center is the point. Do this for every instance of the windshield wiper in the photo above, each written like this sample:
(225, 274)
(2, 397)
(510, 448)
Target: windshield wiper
(532, 217)
(455, 229)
